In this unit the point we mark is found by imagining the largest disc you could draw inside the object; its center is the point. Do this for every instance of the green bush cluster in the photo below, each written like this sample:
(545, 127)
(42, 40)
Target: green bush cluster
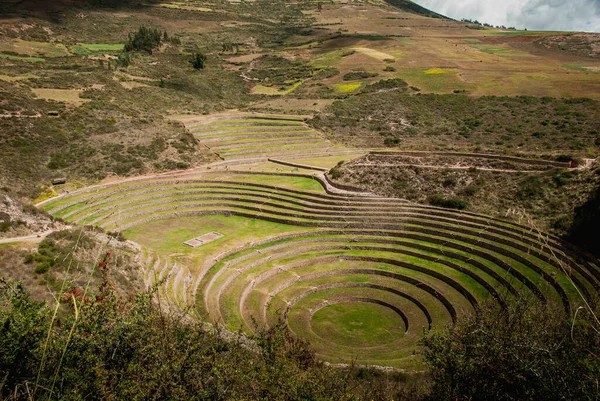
(5, 226)
(528, 352)
(355, 75)
(45, 257)
(145, 39)
(391, 141)
(386, 84)
(451, 202)
(199, 61)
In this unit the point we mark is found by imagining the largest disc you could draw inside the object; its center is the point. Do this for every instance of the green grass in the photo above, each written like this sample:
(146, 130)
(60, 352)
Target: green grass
(330, 59)
(406, 41)
(580, 68)
(433, 79)
(86, 49)
(9, 244)
(499, 50)
(15, 78)
(23, 58)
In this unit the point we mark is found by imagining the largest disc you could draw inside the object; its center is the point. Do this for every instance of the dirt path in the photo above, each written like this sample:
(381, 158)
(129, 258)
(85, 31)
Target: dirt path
(441, 167)
(28, 238)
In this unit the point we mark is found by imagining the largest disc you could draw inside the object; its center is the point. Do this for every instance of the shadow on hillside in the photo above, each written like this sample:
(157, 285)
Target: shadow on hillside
(53, 10)
(411, 7)
(586, 225)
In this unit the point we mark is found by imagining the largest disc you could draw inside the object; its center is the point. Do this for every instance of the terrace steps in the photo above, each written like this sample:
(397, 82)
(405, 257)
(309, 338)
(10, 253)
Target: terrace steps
(426, 266)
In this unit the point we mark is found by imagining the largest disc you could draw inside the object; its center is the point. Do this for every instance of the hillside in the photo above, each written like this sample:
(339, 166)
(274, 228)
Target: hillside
(353, 179)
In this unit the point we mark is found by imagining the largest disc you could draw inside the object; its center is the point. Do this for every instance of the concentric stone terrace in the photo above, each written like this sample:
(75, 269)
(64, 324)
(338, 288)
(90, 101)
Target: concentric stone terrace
(235, 137)
(360, 277)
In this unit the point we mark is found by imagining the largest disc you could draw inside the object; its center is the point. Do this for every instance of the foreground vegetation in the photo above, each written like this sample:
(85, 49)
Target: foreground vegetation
(97, 345)
(100, 346)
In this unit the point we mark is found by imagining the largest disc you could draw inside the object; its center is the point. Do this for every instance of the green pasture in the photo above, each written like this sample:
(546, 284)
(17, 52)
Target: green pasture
(499, 50)
(87, 49)
(438, 80)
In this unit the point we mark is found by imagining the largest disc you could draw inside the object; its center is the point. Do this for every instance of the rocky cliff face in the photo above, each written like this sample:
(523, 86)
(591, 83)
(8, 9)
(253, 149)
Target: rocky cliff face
(18, 218)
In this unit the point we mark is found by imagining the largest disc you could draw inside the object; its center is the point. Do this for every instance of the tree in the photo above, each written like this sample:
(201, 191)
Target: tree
(199, 61)
(145, 39)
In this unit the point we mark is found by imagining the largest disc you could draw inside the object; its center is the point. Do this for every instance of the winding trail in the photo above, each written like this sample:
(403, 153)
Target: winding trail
(28, 238)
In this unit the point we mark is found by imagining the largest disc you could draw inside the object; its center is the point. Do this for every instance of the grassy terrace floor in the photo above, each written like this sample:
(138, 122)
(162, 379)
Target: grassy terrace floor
(260, 136)
(358, 276)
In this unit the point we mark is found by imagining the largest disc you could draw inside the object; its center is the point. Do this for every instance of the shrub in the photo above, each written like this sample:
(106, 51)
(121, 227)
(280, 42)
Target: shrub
(145, 39)
(42, 267)
(29, 257)
(383, 84)
(335, 172)
(391, 142)
(528, 352)
(5, 226)
(529, 188)
(450, 181)
(569, 159)
(199, 61)
(355, 75)
(389, 68)
(448, 202)
(470, 190)
(124, 60)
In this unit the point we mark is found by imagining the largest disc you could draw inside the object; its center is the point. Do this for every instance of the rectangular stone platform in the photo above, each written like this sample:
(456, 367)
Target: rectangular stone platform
(203, 239)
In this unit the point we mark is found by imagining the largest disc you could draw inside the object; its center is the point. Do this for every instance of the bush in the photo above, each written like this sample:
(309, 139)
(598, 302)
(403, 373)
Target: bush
(529, 188)
(355, 75)
(528, 352)
(470, 190)
(5, 227)
(42, 267)
(335, 173)
(391, 142)
(29, 258)
(569, 159)
(449, 203)
(124, 60)
(385, 84)
(450, 181)
(145, 39)
(199, 61)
